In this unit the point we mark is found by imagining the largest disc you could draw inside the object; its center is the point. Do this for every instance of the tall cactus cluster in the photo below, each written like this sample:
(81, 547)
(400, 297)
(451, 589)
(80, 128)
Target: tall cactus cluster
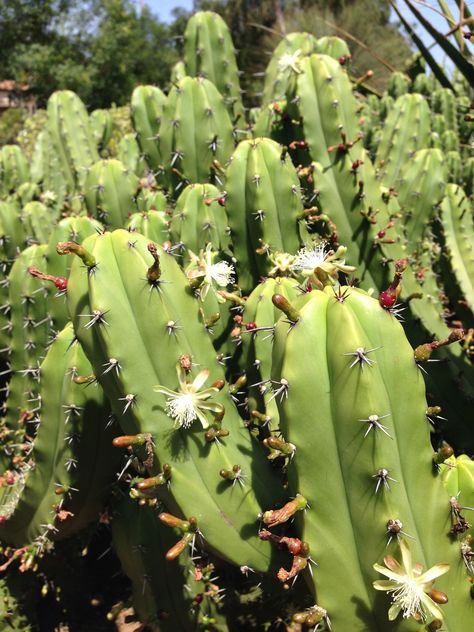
(240, 353)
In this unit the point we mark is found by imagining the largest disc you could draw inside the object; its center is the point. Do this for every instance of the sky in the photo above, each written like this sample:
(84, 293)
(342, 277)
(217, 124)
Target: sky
(163, 8)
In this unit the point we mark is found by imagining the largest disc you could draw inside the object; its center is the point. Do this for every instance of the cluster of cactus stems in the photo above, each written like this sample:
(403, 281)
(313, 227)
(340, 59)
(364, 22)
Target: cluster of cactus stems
(201, 346)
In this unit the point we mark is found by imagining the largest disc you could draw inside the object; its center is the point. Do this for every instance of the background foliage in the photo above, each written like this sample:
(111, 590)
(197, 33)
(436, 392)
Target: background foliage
(102, 49)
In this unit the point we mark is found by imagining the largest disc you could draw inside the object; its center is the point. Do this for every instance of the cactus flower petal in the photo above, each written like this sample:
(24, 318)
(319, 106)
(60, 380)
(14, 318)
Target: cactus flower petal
(189, 402)
(409, 587)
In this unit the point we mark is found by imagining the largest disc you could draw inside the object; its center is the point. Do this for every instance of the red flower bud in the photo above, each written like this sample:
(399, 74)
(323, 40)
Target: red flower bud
(60, 283)
(387, 299)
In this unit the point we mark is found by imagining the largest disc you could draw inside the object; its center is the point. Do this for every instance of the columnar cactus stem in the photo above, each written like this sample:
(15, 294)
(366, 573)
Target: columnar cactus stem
(164, 325)
(362, 479)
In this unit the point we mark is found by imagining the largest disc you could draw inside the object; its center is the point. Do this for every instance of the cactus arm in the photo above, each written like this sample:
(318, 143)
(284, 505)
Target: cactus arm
(159, 596)
(147, 108)
(68, 125)
(67, 409)
(110, 192)
(405, 130)
(344, 507)
(193, 117)
(209, 52)
(118, 288)
(421, 189)
(458, 235)
(199, 219)
(264, 207)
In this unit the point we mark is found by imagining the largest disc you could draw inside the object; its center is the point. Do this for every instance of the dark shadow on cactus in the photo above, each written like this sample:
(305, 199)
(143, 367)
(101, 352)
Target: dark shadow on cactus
(338, 158)
(205, 447)
(380, 607)
(248, 531)
(175, 440)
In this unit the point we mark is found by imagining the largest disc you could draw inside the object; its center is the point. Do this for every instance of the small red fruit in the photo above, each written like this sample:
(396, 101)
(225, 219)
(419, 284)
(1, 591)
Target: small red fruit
(387, 299)
(250, 326)
(60, 283)
(221, 200)
(381, 234)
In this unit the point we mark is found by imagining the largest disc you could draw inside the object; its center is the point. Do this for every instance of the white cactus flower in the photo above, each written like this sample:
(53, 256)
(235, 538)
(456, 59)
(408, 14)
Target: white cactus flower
(290, 61)
(190, 402)
(310, 257)
(321, 264)
(409, 587)
(222, 273)
(209, 273)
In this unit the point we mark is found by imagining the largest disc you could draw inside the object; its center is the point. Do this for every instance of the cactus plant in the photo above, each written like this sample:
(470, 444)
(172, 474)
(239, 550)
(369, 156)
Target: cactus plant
(59, 487)
(199, 218)
(195, 131)
(264, 207)
(209, 52)
(235, 429)
(71, 136)
(370, 414)
(152, 296)
(147, 108)
(110, 192)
